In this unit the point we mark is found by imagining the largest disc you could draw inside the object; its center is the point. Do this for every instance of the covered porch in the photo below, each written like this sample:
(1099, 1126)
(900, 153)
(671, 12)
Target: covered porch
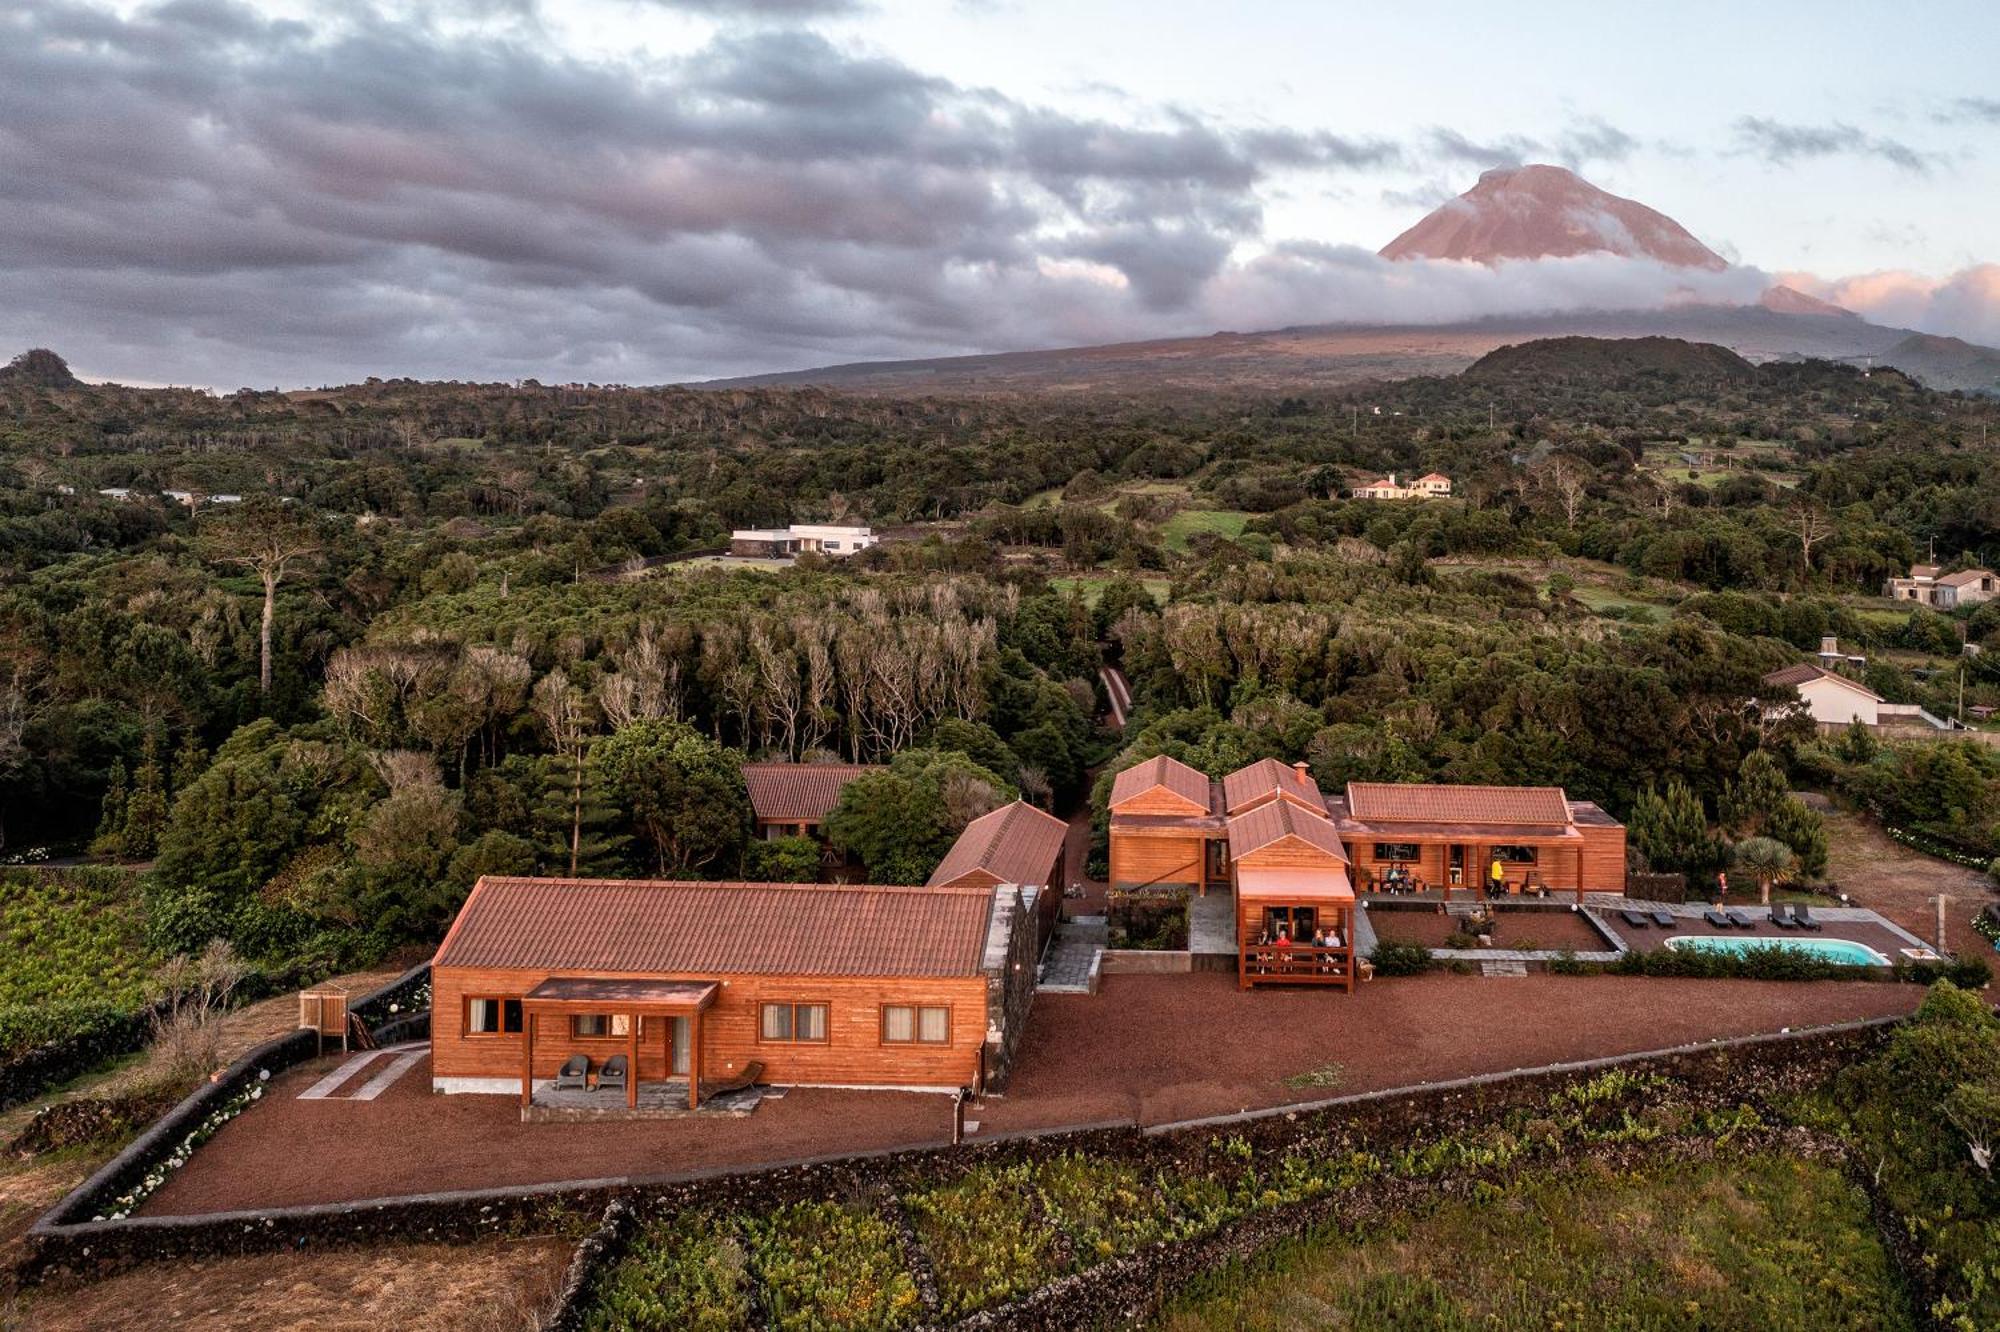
(1280, 912)
(653, 1025)
(1448, 864)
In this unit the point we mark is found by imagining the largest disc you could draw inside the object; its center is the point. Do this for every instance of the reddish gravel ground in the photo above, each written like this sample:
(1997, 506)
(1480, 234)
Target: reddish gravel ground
(1147, 1048)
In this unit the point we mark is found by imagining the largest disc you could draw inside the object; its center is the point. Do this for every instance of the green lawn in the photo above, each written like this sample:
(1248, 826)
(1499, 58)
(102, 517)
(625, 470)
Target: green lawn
(1760, 1243)
(1228, 523)
(1604, 599)
(1093, 586)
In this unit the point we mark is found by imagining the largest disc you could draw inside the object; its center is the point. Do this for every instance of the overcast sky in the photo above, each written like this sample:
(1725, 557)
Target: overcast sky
(273, 193)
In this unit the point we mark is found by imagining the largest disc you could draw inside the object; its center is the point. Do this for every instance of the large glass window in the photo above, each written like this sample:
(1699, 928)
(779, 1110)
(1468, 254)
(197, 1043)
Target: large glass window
(792, 1022)
(905, 1024)
(492, 1017)
(600, 1026)
(1514, 855)
(1396, 850)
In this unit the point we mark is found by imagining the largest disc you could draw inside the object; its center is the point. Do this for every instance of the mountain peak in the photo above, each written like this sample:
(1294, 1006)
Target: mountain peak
(1540, 211)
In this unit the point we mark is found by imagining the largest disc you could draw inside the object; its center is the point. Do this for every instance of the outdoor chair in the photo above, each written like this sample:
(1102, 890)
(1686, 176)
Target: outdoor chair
(1716, 918)
(743, 1081)
(1739, 920)
(1803, 918)
(1634, 919)
(574, 1075)
(613, 1074)
(1663, 918)
(1783, 918)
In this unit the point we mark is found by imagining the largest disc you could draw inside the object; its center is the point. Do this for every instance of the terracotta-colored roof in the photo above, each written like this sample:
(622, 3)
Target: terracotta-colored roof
(1965, 577)
(1175, 776)
(665, 928)
(1266, 778)
(1276, 820)
(799, 792)
(1432, 476)
(1806, 673)
(1390, 802)
(1015, 843)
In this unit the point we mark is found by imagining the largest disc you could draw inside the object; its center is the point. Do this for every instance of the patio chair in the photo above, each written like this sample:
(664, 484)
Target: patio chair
(1802, 917)
(613, 1074)
(574, 1075)
(1739, 920)
(1634, 919)
(1782, 917)
(1663, 918)
(743, 1081)
(1716, 918)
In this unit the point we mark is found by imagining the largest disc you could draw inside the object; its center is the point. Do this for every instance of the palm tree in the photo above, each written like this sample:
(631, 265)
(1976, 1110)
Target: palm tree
(1765, 857)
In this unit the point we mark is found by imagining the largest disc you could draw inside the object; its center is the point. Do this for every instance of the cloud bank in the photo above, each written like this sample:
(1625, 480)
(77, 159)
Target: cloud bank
(197, 192)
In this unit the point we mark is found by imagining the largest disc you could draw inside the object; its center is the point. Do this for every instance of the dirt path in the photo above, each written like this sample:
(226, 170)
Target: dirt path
(496, 1287)
(1883, 874)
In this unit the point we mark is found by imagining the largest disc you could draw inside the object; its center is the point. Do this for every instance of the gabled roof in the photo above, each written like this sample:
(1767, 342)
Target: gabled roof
(1805, 673)
(1266, 778)
(1432, 476)
(1965, 577)
(799, 792)
(1276, 820)
(666, 928)
(1376, 803)
(1015, 843)
(1161, 771)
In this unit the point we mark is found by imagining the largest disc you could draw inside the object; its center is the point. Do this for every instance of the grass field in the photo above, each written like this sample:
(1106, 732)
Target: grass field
(1227, 523)
(1093, 586)
(1763, 1243)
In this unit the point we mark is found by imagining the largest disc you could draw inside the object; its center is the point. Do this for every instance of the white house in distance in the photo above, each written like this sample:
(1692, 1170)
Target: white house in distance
(1431, 485)
(799, 539)
(1832, 700)
(1967, 587)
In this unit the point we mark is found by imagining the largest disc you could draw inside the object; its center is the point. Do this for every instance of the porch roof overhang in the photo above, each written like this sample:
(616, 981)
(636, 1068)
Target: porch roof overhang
(1293, 884)
(576, 993)
(1486, 834)
(1168, 825)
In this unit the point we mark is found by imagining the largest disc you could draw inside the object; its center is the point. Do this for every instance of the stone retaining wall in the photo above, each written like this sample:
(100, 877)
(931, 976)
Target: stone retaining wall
(62, 1243)
(1145, 961)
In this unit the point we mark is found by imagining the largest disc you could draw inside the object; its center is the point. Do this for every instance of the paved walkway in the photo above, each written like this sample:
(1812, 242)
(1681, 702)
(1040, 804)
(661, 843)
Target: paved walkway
(384, 1066)
(1070, 964)
(1212, 923)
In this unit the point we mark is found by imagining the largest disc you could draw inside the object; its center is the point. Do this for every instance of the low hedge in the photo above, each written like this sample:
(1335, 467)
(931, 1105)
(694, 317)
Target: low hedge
(1400, 959)
(97, 1033)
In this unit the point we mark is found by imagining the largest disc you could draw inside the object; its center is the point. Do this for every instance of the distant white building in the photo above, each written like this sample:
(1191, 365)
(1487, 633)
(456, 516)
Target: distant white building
(800, 539)
(1927, 587)
(1832, 700)
(1431, 485)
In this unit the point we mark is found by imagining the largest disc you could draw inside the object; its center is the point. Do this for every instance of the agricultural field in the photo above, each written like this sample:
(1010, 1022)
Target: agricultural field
(1180, 529)
(72, 953)
(1768, 1243)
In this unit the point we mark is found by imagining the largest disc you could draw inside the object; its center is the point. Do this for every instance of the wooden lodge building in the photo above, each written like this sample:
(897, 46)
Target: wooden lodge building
(1296, 859)
(693, 983)
(793, 799)
(1018, 845)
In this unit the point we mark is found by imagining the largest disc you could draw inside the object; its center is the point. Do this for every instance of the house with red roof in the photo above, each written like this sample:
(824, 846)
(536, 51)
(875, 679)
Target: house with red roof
(691, 985)
(1017, 845)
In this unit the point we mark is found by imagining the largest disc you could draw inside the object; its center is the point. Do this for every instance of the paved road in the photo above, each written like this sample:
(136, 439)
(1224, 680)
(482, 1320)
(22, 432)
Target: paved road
(1120, 694)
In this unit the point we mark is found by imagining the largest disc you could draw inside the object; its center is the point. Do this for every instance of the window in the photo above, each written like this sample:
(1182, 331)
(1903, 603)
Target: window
(1514, 855)
(600, 1026)
(792, 1022)
(1396, 850)
(1298, 923)
(904, 1024)
(492, 1017)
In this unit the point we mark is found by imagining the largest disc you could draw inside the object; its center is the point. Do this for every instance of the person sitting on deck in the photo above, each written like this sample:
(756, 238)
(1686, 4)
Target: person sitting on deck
(1284, 947)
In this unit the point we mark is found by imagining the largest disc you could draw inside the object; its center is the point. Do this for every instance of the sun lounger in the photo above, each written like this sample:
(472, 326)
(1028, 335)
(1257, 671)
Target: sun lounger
(1663, 918)
(574, 1075)
(1633, 918)
(1781, 916)
(752, 1071)
(612, 1074)
(1715, 918)
(1739, 920)
(1802, 917)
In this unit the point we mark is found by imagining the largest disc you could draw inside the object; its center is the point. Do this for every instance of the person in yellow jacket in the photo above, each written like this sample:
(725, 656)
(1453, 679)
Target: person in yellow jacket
(1496, 878)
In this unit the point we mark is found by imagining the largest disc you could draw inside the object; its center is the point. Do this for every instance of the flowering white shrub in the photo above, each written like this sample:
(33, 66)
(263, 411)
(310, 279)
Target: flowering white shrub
(128, 1202)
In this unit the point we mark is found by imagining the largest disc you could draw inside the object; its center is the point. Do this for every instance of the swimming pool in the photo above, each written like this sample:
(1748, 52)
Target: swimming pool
(1840, 952)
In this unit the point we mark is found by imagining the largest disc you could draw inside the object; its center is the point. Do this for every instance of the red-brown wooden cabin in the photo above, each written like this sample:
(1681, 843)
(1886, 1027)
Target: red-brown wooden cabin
(1166, 828)
(1447, 838)
(822, 984)
(1015, 844)
(1291, 884)
(793, 799)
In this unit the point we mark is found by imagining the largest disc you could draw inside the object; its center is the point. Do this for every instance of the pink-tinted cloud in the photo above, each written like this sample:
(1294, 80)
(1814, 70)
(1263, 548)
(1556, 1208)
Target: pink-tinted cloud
(1965, 304)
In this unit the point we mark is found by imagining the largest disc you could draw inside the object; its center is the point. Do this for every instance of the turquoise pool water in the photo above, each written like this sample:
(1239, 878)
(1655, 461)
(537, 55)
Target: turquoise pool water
(1841, 952)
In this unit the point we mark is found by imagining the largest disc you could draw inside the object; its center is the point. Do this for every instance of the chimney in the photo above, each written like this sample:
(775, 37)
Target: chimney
(1304, 777)
(1829, 646)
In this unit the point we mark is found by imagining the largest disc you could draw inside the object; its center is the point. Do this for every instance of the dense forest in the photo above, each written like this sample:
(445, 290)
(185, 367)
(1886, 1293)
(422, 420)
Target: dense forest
(320, 658)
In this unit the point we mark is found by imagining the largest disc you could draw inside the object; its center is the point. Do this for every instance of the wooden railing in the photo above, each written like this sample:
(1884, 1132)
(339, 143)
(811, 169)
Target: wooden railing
(1302, 964)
